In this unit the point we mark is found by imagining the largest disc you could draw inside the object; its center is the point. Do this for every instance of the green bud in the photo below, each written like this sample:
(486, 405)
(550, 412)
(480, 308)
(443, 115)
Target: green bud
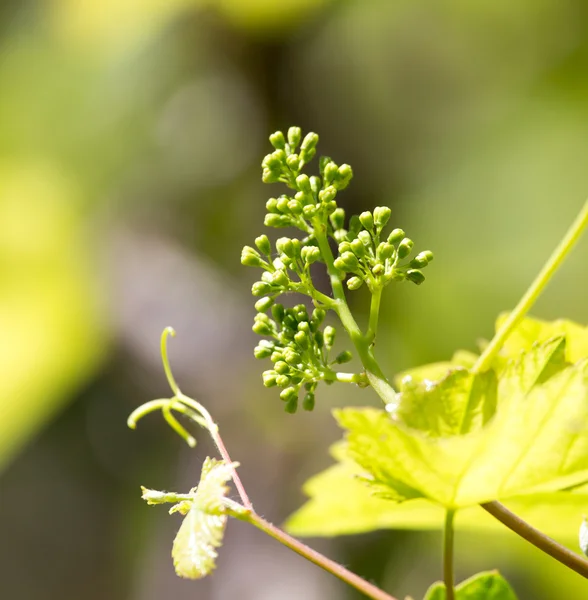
(294, 135)
(263, 304)
(310, 254)
(288, 393)
(350, 262)
(272, 162)
(303, 183)
(291, 405)
(415, 276)
(301, 339)
(330, 207)
(285, 246)
(282, 380)
(266, 277)
(338, 218)
(328, 194)
(358, 248)
(280, 278)
(273, 220)
(282, 204)
(344, 175)
(365, 237)
(260, 288)
(405, 247)
(395, 236)
(318, 316)
(367, 220)
(295, 207)
(385, 251)
(343, 357)
(304, 326)
(345, 247)
(268, 176)
(269, 378)
(378, 270)
(330, 173)
(309, 211)
(264, 349)
(278, 312)
(263, 244)
(262, 328)
(277, 140)
(315, 184)
(250, 257)
(300, 312)
(354, 283)
(291, 356)
(293, 161)
(381, 216)
(323, 162)
(276, 355)
(308, 402)
(272, 205)
(309, 142)
(282, 367)
(329, 334)
(319, 339)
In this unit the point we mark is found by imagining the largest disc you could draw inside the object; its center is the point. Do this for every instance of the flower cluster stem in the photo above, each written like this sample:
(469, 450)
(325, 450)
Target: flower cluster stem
(362, 343)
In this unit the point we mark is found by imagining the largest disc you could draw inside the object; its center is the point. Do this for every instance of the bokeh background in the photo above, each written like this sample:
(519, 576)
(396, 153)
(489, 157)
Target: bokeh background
(131, 134)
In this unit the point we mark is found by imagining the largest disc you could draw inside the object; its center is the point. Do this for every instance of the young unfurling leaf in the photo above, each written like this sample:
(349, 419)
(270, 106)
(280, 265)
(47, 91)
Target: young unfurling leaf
(201, 532)
(483, 586)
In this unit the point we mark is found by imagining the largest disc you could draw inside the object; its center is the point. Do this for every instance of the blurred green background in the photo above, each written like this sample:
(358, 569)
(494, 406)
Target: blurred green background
(131, 134)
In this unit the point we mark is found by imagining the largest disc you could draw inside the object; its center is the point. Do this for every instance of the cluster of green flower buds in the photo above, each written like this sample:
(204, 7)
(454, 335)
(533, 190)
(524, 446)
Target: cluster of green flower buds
(314, 196)
(299, 350)
(369, 257)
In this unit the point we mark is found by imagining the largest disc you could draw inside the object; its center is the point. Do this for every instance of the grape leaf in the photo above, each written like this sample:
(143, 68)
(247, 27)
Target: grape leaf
(530, 331)
(460, 402)
(341, 504)
(201, 532)
(483, 586)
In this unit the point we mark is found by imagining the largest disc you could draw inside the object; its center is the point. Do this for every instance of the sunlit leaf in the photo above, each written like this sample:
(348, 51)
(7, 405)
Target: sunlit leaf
(483, 586)
(201, 533)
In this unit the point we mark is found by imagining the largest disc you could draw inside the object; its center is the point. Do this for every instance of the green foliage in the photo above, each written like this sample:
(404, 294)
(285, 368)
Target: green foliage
(483, 586)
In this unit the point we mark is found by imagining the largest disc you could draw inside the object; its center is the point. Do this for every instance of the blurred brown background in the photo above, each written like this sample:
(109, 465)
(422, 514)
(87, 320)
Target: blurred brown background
(131, 134)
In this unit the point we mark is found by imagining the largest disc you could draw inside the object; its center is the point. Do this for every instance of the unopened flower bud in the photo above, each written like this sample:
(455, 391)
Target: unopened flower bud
(338, 218)
(291, 405)
(329, 334)
(268, 176)
(250, 257)
(284, 246)
(263, 244)
(367, 220)
(278, 312)
(358, 248)
(378, 270)
(328, 194)
(280, 278)
(365, 237)
(282, 380)
(272, 205)
(308, 402)
(295, 207)
(301, 339)
(343, 357)
(395, 236)
(309, 142)
(415, 276)
(264, 349)
(277, 140)
(260, 288)
(273, 220)
(405, 247)
(381, 216)
(303, 183)
(344, 176)
(330, 172)
(309, 211)
(281, 367)
(269, 378)
(318, 316)
(293, 161)
(385, 251)
(288, 393)
(354, 283)
(294, 135)
(310, 254)
(263, 304)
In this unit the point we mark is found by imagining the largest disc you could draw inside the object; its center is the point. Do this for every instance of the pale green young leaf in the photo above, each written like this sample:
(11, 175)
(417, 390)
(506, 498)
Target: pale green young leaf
(201, 532)
(437, 371)
(483, 586)
(537, 442)
(458, 403)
